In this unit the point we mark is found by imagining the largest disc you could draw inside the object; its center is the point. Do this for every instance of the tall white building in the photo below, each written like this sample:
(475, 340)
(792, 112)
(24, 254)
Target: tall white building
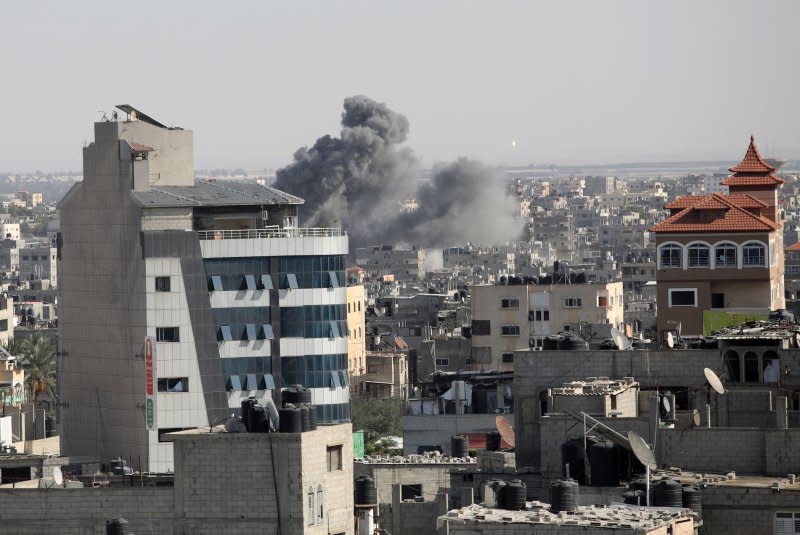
(180, 299)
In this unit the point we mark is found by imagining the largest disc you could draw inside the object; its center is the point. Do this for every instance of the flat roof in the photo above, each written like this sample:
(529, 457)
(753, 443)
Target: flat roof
(214, 193)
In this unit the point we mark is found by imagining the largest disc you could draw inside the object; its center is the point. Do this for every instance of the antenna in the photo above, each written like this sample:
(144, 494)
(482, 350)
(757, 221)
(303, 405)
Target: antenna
(58, 477)
(644, 455)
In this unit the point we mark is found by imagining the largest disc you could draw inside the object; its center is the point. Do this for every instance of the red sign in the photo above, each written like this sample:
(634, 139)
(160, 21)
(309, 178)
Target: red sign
(148, 365)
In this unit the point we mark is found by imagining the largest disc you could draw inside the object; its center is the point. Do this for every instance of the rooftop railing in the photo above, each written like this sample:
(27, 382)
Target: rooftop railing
(271, 232)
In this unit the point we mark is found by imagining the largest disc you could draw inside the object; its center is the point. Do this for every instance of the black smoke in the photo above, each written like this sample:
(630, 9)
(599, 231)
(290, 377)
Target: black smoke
(357, 180)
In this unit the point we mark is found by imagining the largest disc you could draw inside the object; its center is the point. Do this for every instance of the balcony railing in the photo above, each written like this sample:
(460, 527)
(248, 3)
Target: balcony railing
(271, 232)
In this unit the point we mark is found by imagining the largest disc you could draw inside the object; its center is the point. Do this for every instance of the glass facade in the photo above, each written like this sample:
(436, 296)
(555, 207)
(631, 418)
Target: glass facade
(245, 365)
(315, 371)
(335, 412)
(243, 323)
(314, 321)
(237, 273)
(325, 271)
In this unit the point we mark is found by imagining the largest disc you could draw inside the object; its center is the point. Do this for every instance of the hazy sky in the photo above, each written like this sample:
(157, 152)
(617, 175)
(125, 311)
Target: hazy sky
(569, 81)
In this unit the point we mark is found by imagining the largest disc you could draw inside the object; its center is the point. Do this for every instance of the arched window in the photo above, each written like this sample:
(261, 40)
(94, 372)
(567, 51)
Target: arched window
(751, 367)
(698, 255)
(671, 256)
(733, 366)
(320, 505)
(725, 255)
(753, 254)
(771, 367)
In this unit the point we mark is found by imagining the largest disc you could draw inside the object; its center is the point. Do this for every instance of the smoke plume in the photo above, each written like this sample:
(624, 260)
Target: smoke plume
(358, 179)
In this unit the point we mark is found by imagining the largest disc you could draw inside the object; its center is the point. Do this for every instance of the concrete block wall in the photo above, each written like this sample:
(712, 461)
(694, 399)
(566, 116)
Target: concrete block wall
(85, 511)
(434, 478)
(745, 510)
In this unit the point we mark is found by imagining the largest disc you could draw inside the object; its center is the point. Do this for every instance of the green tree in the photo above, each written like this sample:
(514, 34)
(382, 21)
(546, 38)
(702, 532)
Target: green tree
(37, 355)
(377, 417)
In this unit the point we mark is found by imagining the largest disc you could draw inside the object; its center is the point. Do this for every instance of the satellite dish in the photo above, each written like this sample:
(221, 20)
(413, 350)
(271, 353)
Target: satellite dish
(670, 340)
(505, 430)
(714, 381)
(696, 418)
(621, 340)
(641, 450)
(665, 402)
(58, 477)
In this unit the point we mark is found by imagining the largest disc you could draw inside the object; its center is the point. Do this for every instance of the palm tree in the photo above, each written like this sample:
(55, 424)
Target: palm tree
(37, 355)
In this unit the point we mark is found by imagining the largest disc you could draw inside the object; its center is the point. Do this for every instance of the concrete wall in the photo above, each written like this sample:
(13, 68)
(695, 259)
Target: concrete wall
(438, 429)
(745, 510)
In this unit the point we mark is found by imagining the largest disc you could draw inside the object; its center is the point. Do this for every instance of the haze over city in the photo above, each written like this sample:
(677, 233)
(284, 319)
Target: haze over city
(508, 84)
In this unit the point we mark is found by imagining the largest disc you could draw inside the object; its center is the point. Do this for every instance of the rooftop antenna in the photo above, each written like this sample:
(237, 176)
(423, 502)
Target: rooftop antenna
(715, 383)
(644, 455)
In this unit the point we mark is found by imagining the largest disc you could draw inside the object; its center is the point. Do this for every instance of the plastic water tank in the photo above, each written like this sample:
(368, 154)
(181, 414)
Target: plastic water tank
(692, 498)
(552, 342)
(257, 420)
(493, 494)
(117, 526)
(364, 491)
(492, 441)
(291, 420)
(309, 421)
(459, 446)
(603, 459)
(563, 496)
(513, 495)
(634, 497)
(247, 405)
(667, 493)
(296, 394)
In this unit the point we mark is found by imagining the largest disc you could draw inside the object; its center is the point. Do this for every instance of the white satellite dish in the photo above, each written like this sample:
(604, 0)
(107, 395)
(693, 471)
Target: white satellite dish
(645, 456)
(696, 418)
(714, 381)
(670, 340)
(621, 340)
(58, 477)
(665, 402)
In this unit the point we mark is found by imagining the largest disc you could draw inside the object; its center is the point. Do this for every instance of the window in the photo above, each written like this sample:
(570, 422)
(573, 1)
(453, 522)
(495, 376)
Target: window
(671, 256)
(291, 281)
(683, 297)
(409, 492)
(167, 334)
(162, 284)
(250, 282)
(4, 325)
(442, 362)
(266, 282)
(334, 458)
(320, 504)
(215, 283)
(251, 331)
(725, 255)
(602, 300)
(698, 255)
(751, 367)
(771, 367)
(173, 384)
(234, 383)
(224, 333)
(509, 330)
(333, 280)
(753, 254)
(508, 357)
(267, 330)
(310, 507)
(481, 327)
(733, 367)
(573, 302)
(509, 303)
(786, 524)
(335, 380)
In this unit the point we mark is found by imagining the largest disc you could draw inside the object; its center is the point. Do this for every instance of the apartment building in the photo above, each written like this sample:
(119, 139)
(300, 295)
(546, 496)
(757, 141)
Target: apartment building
(356, 323)
(506, 318)
(179, 299)
(722, 254)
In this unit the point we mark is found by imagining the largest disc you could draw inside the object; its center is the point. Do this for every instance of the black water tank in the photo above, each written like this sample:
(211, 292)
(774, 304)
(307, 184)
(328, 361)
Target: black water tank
(513, 495)
(574, 455)
(563, 496)
(480, 401)
(364, 491)
(50, 428)
(667, 493)
(551, 342)
(459, 446)
(573, 342)
(603, 459)
(291, 420)
(296, 394)
(492, 441)
(309, 421)
(258, 420)
(634, 497)
(692, 498)
(247, 406)
(117, 526)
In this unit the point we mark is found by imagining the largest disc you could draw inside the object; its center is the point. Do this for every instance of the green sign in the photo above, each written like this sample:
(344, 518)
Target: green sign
(149, 413)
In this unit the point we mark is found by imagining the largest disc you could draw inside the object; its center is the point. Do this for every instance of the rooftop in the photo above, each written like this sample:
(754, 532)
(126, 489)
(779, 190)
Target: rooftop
(752, 170)
(714, 213)
(213, 193)
(595, 386)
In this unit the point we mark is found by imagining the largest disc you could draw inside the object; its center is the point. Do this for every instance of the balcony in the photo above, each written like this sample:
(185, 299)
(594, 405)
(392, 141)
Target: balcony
(271, 232)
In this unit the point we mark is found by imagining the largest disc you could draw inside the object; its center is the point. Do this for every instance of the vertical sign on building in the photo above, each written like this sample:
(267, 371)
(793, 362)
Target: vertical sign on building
(150, 390)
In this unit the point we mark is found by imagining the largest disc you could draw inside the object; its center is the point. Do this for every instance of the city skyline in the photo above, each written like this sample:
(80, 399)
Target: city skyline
(578, 84)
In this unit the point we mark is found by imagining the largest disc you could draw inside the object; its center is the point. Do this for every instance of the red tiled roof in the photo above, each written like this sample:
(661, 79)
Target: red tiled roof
(794, 247)
(752, 170)
(752, 162)
(734, 218)
(715, 201)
